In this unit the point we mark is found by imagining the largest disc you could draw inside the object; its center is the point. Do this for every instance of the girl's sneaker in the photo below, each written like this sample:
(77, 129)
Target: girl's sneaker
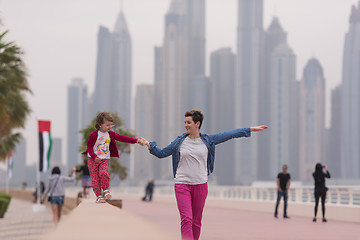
(100, 199)
(107, 195)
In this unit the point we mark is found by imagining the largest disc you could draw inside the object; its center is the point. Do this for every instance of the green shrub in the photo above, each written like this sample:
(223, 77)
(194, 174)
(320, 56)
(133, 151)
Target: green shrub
(4, 203)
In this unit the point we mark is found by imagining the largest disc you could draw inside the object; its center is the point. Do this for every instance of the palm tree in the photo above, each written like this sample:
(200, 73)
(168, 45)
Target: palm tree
(115, 168)
(13, 105)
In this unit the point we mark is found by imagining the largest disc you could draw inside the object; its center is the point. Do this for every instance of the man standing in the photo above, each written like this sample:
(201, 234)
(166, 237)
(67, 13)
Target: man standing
(283, 184)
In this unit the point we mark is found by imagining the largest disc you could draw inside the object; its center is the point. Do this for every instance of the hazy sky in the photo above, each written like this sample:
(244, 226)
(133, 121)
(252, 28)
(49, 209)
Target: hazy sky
(60, 41)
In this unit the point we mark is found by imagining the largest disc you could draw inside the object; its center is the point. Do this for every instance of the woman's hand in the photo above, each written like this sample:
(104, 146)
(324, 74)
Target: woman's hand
(142, 141)
(259, 128)
(97, 159)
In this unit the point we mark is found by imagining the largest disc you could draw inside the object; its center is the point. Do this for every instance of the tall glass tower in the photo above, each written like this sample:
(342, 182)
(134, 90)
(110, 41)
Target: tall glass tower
(350, 151)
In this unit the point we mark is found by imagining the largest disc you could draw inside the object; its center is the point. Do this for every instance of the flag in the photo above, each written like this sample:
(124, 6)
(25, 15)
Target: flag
(45, 145)
(10, 167)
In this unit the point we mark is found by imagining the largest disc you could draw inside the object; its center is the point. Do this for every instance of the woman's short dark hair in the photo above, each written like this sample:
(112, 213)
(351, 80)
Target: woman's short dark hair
(197, 116)
(56, 170)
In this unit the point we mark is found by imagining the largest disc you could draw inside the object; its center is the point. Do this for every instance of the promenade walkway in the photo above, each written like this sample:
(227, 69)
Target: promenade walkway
(160, 220)
(220, 223)
(21, 223)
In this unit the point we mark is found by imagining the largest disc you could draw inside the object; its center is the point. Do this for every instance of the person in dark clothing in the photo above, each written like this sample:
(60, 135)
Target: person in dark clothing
(42, 189)
(85, 179)
(320, 188)
(283, 184)
(149, 191)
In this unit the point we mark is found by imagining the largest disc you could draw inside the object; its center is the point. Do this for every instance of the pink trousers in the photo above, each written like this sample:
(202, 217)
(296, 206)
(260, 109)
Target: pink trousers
(190, 201)
(100, 178)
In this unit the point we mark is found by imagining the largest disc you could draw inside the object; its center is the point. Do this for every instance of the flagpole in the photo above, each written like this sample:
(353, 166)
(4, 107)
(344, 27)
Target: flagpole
(37, 185)
(37, 207)
(7, 176)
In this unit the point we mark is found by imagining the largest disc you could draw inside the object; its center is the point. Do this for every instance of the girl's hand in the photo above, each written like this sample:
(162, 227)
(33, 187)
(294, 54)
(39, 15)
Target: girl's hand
(97, 159)
(141, 141)
(259, 128)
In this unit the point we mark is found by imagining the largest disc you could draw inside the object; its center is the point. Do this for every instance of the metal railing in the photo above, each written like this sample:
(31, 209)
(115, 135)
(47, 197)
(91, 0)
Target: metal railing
(336, 195)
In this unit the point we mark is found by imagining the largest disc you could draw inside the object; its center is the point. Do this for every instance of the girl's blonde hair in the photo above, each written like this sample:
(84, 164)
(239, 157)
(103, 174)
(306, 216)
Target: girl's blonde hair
(101, 117)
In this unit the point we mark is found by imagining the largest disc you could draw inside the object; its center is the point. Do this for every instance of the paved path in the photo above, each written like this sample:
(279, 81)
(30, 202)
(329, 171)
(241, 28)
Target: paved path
(21, 223)
(225, 223)
(219, 223)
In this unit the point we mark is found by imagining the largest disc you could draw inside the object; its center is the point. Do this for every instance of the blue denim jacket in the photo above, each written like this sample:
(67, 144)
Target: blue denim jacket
(210, 141)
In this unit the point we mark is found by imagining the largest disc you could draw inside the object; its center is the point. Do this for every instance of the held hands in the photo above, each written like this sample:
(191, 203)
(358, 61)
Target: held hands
(259, 128)
(142, 141)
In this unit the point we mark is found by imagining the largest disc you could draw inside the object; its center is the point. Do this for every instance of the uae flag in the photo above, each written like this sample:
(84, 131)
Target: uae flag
(45, 144)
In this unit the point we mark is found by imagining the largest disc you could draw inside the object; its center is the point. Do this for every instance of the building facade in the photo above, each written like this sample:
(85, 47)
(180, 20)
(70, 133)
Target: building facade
(312, 119)
(350, 129)
(249, 66)
(76, 120)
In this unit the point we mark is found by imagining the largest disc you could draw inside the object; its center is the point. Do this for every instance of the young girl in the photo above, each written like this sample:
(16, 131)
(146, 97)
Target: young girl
(100, 147)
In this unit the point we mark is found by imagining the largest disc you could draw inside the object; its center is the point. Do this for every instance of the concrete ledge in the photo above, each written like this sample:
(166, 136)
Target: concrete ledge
(92, 220)
(333, 212)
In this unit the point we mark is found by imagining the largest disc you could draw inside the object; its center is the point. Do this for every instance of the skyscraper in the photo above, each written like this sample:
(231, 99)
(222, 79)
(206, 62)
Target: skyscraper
(144, 112)
(113, 71)
(312, 118)
(282, 108)
(101, 97)
(222, 77)
(56, 154)
(76, 120)
(249, 66)
(350, 130)
(274, 36)
(182, 62)
(19, 167)
(333, 149)
(121, 70)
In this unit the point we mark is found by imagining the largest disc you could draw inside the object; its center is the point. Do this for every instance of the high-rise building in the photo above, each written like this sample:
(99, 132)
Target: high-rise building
(350, 129)
(101, 96)
(222, 77)
(312, 119)
(282, 108)
(274, 36)
(19, 167)
(121, 63)
(158, 108)
(200, 100)
(113, 83)
(144, 163)
(76, 120)
(249, 66)
(56, 156)
(182, 62)
(333, 147)
(113, 71)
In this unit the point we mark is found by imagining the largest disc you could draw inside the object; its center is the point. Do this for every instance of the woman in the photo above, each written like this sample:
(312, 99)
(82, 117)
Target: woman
(56, 190)
(320, 188)
(193, 160)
